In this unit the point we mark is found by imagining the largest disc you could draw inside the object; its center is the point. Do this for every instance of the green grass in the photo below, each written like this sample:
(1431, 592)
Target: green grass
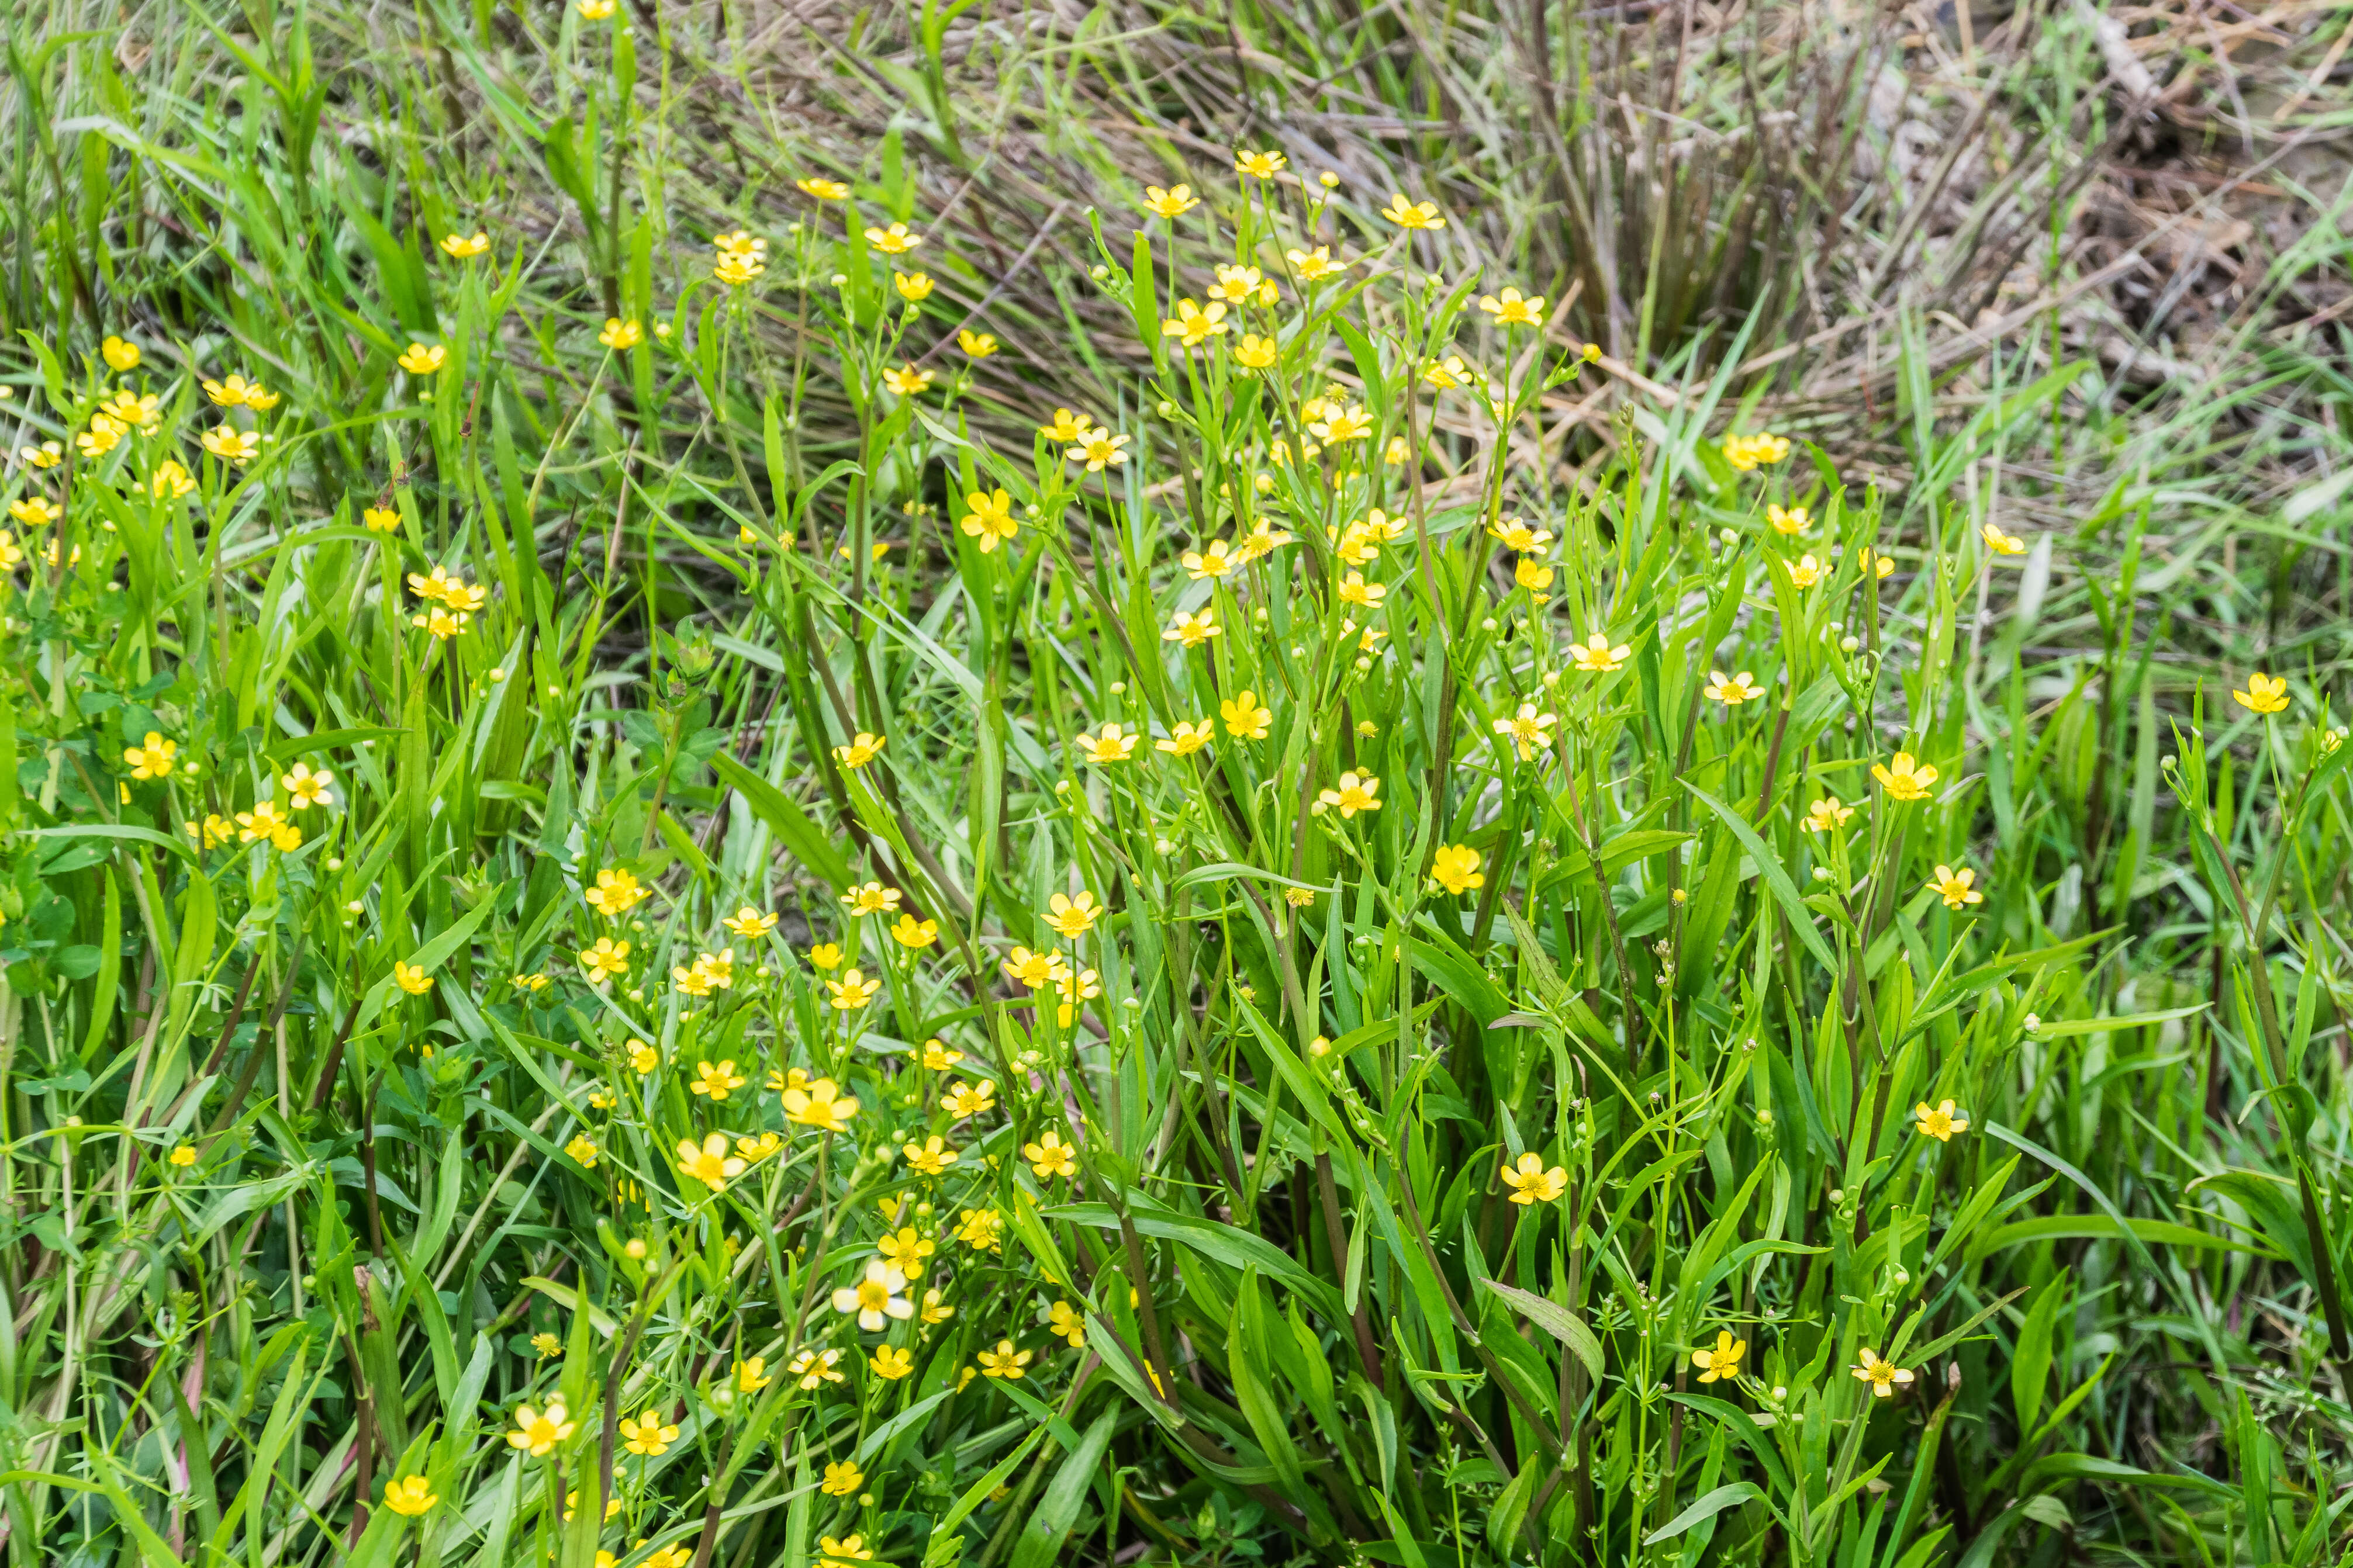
(278, 1231)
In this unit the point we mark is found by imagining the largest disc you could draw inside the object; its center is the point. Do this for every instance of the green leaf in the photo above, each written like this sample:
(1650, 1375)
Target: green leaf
(1705, 1509)
(1048, 1525)
(1776, 880)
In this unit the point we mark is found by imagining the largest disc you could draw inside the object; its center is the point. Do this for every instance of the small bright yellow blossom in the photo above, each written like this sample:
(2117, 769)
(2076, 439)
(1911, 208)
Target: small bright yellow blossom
(2265, 694)
(1826, 814)
(1746, 452)
(409, 1496)
(708, 1162)
(1455, 868)
(1051, 1156)
(1173, 202)
(1005, 1361)
(537, 1432)
(1954, 887)
(1354, 793)
(1904, 780)
(1721, 1364)
(1885, 1377)
(1531, 1183)
(1246, 718)
(1733, 691)
(1940, 1121)
(1413, 214)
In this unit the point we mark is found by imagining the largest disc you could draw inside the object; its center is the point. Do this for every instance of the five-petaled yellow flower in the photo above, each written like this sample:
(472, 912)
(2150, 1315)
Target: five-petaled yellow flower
(411, 978)
(977, 346)
(1529, 731)
(708, 1162)
(1050, 1156)
(1187, 736)
(1733, 690)
(990, 521)
(717, 1079)
(912, 933)
(538, 1432)
(1721, 1364)
(969, 1099)
(583, 1149)
(463, 246)
(1940, 1121)
(1954, 887)
(820, 1104)
(1005, 1361)
(606, 960)
(1792, 520)
(1195, 324)
(842, 1477)
(1354, 793)
(890, 1364)
(1596, 656)
(1173, 202)
(423, 359)
(1314, 265)
(1108, 745)
(152, 758)
(1455, 868)
(1100, 449)
(2264, 694)
(1246, 718)
(823, 189)
(1073, 917)
(649, 1435)
(930, 1157)
(121, 353)
(896, 240)
(750, 923)
(1413, 214)
(852, 992)
(860, 751)
(1746, 452)
(1805, 571)
(1531, 1183)
(1904, 779)
(907, 380)
(2002, 544)
(409, 1496)
(618, 334)
(1510, 309)
(875, 1298)
(1258, 165)
(1826, 814)
(1068, 1323)
(1883, 1376)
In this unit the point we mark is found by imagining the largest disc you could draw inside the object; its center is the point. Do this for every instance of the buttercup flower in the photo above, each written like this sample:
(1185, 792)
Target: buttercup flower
(1356, 793)
(1904, 780)
(1252, 352)
(990, 523)
(912, 287)
(751, 1374)
(979, 345)
(895, 240)
(823, 189)
(891, 1364)
(1259, 165)
(1069, 1323)
(1805, 571)
(908, 381)
(969, 1100)
(717, 1079)
(1791, 520)
(1826, 814)
(121, 353)
(418, 359)
(1066, 426)
(875, 1298)
(1195, 324)
(1596, 656)
(649, 1435)
(930, 1157)
(1953, 888)
(708, 1162)
(619, 335)
(1005, 1361)
(2264, 694)
(1940, 1121)
(842, 1477)
(1412, 215)
(1051, 1156)
(827, 955)
(1746, 452)
(860, 751)
(1193, 630)
(1099, 449)
(152, 758)
(409, 1496)
(912, 933)
(461, 246)
(750, 923)
(1885, 1377)
(2002, 544)
(1111, 744)
(537, 1432)
(1510, 309)
(615, 894)
(606, 961)
(1314, 265)
(812, 1368)
(1173, 202)
(1073, 918)
(308, 786)
(1528, 730)
(1186, 738)
(1246, 718)
(1732, 692)
(873, 899)
(583, 1149)
(852, 992)
(1531, 1183)
(1721, 1364)
(821, 1105)
(1455, 868)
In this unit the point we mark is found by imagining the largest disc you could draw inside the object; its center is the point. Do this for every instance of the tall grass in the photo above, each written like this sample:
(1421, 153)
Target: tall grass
(1362, 929)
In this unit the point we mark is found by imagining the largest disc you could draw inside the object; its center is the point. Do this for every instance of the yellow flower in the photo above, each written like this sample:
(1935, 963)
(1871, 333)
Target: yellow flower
(1876, 565)
(409, 1496)
(615, 893)
(1881, 1375)
(1529, 731)
(905, 1251)
(1905, 780)
(979, 345)
(606, 960)
(935, 1312)
(1721, 1364)
(1075, 986)
(1067, 427)
(852, 992)
(1005, 1361)
(825, 956)
(537, 1433)
(1412, 215)
(848, 1550)
(151, 759)
(1031, 969)
(216, 829)
(619, 335)
(890, 1364)
(708, 1162)
(750, 923)
(1173, 202)
(907, 381)
(823, 189)
(1109, 745)
(1314, 265)
(1596, 656)
(232, 445)
(1805, 571)
(1953, 888)
(171, 480)
(912, 933)
(411, 979)
(717, 1079)
(668, 1556)
(547, 1345)
(1792, 520)
(2264, 694)
(912, 285)
(1826, 814)
(1356, 792)
(896, 240)
(1510, 309)
(821, 1105)
(969, 1100)
(1068, 1323)
(875, 1298)
(1535, 579)
(1050, 1156)
(1245, 719)
(1214, 563)
(185, 1155)
(1354, 590)
(860, 752)
(230, 393)
(937, 1057)
(1732, 692)
(990, 521)
(128, 408)
(649, 1435)
(121, 353)
(583, 1149)
(418, 359)
(1343, 425)
(1940, 1121)
(47, 455)
(930, 1157)
(1531, 1183)
(643, 1058)
(1455, 868)
(753, 1375)
(842, 1477)
(309, 787)
(1255, 352)
(595, 10)
(102, 437)
(1237, 285)
(1099, 449)
(2002, 544)
(1193, 630)
(1195, 324)
(873, 899)
(1258, 165)
(461, 246)
(1188, 736)
(1073, 917)
(1746, 452)
(737, 267)
(811, 1368)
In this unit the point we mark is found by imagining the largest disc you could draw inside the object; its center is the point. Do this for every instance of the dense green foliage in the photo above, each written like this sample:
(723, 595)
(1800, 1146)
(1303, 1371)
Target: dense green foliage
(1363, 931)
